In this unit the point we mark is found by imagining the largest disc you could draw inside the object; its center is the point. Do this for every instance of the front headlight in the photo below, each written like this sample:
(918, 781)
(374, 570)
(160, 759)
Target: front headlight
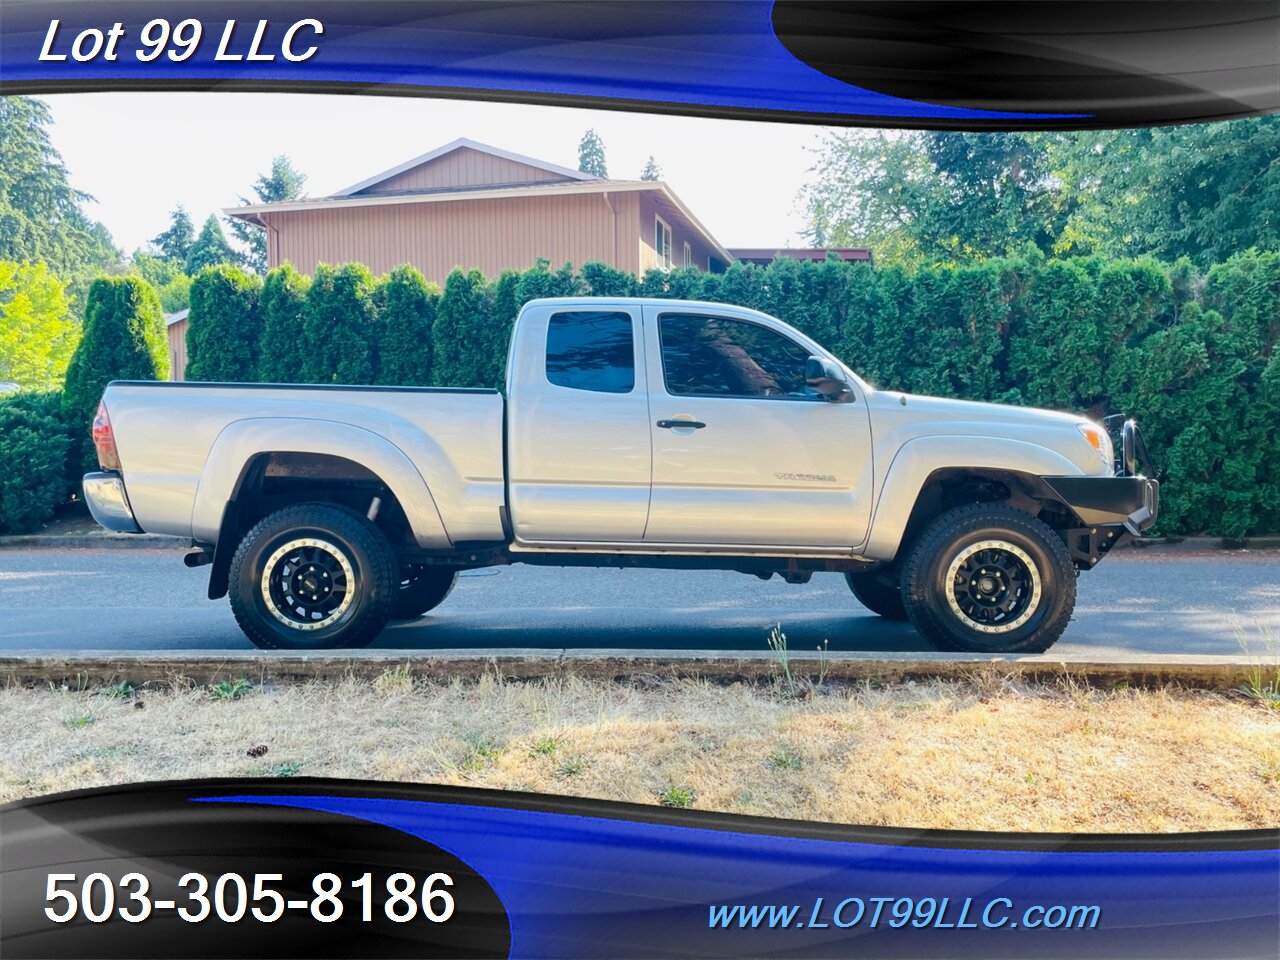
(1100, 440)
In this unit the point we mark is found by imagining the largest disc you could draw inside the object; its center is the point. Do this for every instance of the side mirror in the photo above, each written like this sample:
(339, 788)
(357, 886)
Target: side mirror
(825, 377)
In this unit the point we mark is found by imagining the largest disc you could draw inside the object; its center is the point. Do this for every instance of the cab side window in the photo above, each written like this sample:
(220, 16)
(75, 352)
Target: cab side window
(705, 356)
(591, 351)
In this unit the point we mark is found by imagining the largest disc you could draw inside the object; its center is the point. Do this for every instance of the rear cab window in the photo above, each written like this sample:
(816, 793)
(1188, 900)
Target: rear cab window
(592, 351)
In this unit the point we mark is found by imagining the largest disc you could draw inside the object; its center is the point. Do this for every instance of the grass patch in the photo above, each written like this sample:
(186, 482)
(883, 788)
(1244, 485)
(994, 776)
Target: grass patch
(1263, 682)
(286, 768)
(394, 681)
(677, 796)
(988, 753)
(482, 750)
(120, 691)
(573, 766)
(230, 689)
(784, 758)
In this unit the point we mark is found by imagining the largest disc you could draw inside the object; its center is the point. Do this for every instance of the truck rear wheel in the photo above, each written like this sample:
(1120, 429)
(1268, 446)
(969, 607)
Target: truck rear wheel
(313, 576)
(422, 589)
(987, 578)
(878, 594)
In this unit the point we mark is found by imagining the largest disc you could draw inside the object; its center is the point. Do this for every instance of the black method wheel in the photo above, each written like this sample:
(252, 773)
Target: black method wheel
(989, 579)
(422, 589)
(879, 593)
(313, 576)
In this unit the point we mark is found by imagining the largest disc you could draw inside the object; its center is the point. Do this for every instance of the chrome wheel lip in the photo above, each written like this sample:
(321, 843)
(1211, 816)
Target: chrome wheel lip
(1033, 604)
(269, 571)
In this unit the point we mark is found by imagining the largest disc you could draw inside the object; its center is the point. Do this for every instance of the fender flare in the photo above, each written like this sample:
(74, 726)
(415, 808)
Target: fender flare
(242, 440)
(916, 460)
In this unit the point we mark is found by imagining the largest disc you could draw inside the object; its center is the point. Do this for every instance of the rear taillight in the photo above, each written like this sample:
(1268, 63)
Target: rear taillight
(104, 439)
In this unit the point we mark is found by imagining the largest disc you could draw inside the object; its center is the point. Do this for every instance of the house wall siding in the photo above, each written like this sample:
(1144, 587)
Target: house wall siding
(178, 350)
(648, 209)
(463, 168)
(486, 235)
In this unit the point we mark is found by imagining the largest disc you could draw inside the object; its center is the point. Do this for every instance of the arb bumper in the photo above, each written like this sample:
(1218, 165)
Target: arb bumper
(108, 502)
(1131, 502)
(1110, 511)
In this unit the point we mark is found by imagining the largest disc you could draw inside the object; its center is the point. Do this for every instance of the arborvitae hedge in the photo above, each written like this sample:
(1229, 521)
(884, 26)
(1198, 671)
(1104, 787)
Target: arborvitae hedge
(124, 339)
(464, 331)
(339, 326)
(224, 326)
(282, 347)
(407, 306)
(1192, 357)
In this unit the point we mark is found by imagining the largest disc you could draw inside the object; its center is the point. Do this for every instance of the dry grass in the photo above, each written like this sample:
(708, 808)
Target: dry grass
(991, 754)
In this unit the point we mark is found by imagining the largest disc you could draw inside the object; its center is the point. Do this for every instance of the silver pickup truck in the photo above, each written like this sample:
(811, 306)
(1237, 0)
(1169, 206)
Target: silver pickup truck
(637, 433)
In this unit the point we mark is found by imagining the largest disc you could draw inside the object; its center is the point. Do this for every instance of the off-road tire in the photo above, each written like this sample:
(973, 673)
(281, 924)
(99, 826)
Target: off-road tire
(877, 595)
(362, 549)
(422, 589)
(935, 604)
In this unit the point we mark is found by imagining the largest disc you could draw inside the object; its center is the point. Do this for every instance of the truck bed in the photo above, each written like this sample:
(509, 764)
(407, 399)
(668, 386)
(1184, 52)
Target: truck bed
(166, 433)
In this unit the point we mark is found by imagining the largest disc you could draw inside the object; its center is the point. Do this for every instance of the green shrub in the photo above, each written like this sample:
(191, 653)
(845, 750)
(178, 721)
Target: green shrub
(282, 347)
(124, 339)
(407, 306)
(223, 326)
(462, 332)
(33, 451)
(340, 326)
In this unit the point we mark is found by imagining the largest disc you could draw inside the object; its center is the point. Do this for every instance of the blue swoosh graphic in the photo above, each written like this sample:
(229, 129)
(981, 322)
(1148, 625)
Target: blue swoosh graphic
(577, 885)
(704, 54)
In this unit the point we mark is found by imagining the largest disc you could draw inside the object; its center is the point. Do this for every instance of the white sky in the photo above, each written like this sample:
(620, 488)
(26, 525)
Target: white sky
(141, 154)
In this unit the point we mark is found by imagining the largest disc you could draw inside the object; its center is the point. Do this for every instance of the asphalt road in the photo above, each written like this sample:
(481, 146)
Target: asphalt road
(140, 600)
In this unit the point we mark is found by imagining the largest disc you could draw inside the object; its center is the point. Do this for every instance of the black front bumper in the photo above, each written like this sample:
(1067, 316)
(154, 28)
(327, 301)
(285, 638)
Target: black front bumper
(1110, 511)
(1131, 502)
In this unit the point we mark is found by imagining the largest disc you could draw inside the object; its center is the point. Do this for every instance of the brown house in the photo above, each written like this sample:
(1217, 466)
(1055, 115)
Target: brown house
(471, 205)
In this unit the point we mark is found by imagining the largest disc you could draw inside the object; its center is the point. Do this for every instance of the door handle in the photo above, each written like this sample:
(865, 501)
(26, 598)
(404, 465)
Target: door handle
(674, 424)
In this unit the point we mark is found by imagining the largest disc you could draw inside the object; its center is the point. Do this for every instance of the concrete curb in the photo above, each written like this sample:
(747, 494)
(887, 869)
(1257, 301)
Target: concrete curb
(93, 671)
(94, 541)
(126, 541)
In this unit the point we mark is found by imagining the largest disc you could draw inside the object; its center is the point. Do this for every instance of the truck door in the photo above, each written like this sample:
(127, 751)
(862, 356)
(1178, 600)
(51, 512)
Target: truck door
(743, 451)
(578, 426)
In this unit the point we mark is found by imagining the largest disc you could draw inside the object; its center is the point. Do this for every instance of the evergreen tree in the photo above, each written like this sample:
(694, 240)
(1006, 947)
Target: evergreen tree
(339, 326)
(461, 334)
(40, 214)
(124, 339)
(282, 183)
(591, 155)
(175, 243)
(210, 248)
(281, 345)
(651, 172)
(223, 326)
(407, 304)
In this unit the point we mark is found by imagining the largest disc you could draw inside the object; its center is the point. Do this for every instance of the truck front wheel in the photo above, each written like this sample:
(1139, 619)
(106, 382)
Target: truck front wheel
(313, 576)
(987, 578)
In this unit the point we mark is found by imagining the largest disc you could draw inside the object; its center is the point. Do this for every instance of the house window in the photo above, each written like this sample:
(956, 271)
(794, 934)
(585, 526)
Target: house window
(688, 254)
(662, 243)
